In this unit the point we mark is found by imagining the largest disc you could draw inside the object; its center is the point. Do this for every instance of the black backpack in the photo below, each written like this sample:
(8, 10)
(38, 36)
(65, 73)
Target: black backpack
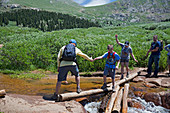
(69, 53)
(161, 46)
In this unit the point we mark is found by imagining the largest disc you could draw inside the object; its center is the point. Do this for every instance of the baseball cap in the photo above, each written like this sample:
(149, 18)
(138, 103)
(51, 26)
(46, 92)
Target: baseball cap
(73, 41)
(127, 43)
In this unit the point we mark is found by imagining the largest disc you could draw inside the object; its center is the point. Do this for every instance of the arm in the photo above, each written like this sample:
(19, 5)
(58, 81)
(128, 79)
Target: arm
(83, 55)
(118, 62)
(117, 40)
(133, 57)
(97, 58)
(58, 59)
(166, 48)
(148, 52)
(155, 50)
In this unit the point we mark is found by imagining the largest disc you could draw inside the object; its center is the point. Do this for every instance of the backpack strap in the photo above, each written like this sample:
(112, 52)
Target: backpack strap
(109, 55)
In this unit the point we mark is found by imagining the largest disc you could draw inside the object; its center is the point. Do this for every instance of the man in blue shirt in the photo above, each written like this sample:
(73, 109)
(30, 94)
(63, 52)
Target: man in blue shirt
(110, 66)
(154, 57)
(167, 48)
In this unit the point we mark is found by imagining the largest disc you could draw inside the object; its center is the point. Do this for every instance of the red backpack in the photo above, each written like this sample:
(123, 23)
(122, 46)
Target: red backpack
(109, 55)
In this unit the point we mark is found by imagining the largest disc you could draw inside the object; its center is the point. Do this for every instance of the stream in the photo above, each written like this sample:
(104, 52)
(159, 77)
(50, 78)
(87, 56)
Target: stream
(91, 103)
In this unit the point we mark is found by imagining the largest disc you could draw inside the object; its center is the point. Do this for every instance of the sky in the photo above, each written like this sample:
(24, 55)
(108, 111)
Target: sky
(88, 3)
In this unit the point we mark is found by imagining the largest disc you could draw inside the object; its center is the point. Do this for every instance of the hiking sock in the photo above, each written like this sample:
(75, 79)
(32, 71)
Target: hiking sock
(121, 77)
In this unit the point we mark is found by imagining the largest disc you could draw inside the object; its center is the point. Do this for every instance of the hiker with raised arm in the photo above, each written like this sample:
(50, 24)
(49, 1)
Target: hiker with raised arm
(154, 57)
(167, 48)
(67, 62)
(110, 67)
(125, 56)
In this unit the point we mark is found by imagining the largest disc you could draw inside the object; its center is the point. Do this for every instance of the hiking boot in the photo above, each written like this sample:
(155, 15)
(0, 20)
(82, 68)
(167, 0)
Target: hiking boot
(148, 75)
(121, 77)
(113, 89)
(104, 86)
(127, 76)
(55, 97)
(78, 90)
(154, 76)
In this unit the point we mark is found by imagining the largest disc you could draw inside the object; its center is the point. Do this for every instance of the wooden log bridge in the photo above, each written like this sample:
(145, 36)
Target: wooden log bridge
(72, 95)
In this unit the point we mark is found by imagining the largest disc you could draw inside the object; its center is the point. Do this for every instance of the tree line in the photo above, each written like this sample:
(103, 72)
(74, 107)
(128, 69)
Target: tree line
(44, 20)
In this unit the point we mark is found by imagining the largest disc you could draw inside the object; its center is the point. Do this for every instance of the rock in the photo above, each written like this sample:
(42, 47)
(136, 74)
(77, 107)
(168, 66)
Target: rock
(156, 81)
(150, 85)
(165, 83)
(165, 98)
(139, 79)
(153, 97)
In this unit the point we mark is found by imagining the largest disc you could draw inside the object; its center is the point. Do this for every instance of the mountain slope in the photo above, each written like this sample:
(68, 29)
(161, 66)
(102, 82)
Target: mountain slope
(120, 12)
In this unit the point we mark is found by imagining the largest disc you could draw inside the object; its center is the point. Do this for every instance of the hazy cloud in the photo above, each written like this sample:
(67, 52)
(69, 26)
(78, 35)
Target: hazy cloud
(96, 2)
(88, 3)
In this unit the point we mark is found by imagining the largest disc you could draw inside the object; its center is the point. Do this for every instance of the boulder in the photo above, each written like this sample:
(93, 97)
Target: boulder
(165, 83)
(139, 79)
(165, 98)
(153, 97)
(150, 85)
(156, 81)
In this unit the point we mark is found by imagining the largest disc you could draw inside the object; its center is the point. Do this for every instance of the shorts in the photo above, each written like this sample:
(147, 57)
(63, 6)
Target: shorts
(63, 71)
(168, 60)
(124, 60)
(111, 72)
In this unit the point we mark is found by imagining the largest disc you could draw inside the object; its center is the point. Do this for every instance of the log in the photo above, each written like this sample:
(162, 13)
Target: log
(104, 103)
(112, 99)
(71, 95)
(117, 105)
(2, 93)
(125, 94)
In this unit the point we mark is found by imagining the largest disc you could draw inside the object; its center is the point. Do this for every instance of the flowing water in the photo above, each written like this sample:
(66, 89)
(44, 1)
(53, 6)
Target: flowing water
(147, 107)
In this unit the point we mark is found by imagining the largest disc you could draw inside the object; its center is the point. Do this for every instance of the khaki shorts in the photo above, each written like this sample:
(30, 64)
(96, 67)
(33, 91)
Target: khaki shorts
(168, 60)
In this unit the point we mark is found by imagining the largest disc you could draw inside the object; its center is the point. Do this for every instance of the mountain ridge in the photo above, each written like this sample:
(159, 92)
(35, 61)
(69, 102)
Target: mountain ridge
(120, 12)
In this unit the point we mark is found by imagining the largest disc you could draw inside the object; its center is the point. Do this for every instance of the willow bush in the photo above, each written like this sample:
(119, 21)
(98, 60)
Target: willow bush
(29, 49)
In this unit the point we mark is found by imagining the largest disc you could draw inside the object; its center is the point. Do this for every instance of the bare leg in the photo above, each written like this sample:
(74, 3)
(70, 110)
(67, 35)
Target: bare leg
(77, 78)
(122, 68)
(127, 66)
(104, 79)
(58, 85)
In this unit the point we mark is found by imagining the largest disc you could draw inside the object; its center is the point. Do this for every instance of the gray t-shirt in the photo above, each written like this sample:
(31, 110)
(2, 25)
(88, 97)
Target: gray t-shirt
(125, 51)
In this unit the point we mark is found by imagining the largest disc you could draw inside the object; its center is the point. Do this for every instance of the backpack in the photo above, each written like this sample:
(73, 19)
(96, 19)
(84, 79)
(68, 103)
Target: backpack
(161, 46)
(109, 55)
(69, 53)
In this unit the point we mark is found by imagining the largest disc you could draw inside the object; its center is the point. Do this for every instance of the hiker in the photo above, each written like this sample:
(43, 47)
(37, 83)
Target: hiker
(154, 57)
(110, 66)
(124, 57)
(167, 48)
(67, 62)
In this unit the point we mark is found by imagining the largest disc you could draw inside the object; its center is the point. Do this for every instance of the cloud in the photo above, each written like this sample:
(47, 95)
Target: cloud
(80, 1)
(96, 3)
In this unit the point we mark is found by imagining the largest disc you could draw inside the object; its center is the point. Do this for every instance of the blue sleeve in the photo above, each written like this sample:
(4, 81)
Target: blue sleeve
(105, 55)
(117, 57)
(167, 47)
(122, 45)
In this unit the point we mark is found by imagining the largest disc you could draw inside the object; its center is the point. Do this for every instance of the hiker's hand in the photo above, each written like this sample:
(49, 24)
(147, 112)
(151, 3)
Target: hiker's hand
(91, 60)
(116, 35)
(116, 67)
(136, 60)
